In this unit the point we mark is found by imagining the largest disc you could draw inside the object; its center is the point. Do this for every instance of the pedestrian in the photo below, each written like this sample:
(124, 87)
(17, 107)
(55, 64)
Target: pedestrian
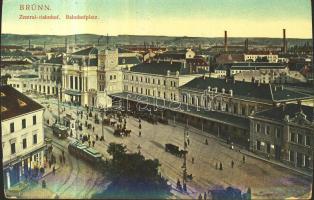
(48, 122)
(232, 164)
(206, 142)
(216, 165)
(200, 197)
(139, 133)
(93, 143)
(96, 137)
(188, 141)
(88, 143)
(139, 126)
(205, 196)
(192, 160)
(220, 166)
(54, 170)
(93, 128)
(243, 158)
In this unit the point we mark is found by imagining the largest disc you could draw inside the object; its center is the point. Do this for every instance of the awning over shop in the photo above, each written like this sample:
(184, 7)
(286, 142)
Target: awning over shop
(72, 92)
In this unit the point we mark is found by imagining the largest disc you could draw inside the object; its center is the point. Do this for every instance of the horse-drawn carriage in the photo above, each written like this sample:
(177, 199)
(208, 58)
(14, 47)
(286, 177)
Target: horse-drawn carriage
(173, 149)
(121, 132)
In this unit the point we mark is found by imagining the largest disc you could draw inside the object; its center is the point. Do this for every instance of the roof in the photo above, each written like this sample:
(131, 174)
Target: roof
(292, 110)
(27, 76)
(56, 60)
(121, 50)
(242, 89)
(196, 62)
(256, 65)
(15, 62)
(89, 62)
(14, 103)
(86, 52)
(175, 56)
(162, 67)
(221, 117)
(128, 60)
(157, 67)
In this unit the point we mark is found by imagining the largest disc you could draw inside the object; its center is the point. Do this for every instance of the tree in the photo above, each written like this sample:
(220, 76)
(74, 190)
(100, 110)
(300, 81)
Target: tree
(133, 176)
(116, 150)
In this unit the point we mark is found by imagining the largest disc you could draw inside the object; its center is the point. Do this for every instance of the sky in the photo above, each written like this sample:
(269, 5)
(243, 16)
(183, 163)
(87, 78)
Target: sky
(201, 18)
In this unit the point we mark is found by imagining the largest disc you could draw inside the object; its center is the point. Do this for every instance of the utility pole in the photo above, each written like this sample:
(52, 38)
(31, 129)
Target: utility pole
(58, 102)
(184, 174)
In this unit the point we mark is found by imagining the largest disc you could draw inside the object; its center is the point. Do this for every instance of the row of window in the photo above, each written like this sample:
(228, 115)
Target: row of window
(12, 127)
(300, 139)
(24, 144)
(148, 92)
(151, 80)
(267, 130)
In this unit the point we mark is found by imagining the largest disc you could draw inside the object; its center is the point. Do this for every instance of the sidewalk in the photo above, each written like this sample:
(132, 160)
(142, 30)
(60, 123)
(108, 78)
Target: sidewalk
(241, 149)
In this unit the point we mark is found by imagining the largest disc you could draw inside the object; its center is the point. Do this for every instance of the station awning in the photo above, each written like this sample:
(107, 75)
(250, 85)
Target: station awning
(215, 116)
(72, 92)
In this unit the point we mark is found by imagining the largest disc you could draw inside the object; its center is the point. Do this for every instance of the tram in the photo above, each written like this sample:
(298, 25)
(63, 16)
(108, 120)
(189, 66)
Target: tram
(59, 131)
(84, 152)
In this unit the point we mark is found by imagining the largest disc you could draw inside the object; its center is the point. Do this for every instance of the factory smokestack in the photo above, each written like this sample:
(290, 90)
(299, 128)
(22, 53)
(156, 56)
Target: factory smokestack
(66, 45)
(226, 40)
(246, 45)
(284, 41)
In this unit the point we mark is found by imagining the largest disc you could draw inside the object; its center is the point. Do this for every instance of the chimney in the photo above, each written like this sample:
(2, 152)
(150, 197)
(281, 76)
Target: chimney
(29, 44)
(246, 45)
(44, 46)
(226, 38)
(66, 45)
(284, 41)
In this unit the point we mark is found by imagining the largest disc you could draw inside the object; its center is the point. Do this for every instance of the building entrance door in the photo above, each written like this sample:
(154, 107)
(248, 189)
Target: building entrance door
(299, 160)
(277, 152)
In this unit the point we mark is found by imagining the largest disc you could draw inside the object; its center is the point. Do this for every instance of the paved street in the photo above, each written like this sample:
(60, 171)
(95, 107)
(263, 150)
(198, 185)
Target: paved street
(265, 180)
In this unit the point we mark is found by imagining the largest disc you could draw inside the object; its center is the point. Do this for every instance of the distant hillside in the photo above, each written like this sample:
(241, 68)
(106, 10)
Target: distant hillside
(53, 40)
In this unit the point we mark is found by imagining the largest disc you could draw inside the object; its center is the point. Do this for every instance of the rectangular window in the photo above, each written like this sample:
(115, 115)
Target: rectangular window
(12, 127)
(292, 137)
(258, 128)
(23, 123)
(300, 139)
(277, 131)
(12, 148)
(267, 130)
(291, 156)
(158, 82)
(174, 84)
(76, 83)
(258, 145)
(35, 139)
(71, 82)
(268, 148)
(307, 140)
(164, 82)
(24, 143)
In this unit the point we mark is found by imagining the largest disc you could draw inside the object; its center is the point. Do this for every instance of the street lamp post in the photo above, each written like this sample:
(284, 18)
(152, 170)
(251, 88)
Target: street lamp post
(102, 125)
(184, 174)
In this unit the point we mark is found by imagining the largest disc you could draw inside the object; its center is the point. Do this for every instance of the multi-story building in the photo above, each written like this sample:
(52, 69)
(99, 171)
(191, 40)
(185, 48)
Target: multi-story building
(22, 136)
(79, 77)
(49, 75)
(158, 79)
(284, 133)
(271, 76)
(236, 68)
(265, 56)
(23, 83)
